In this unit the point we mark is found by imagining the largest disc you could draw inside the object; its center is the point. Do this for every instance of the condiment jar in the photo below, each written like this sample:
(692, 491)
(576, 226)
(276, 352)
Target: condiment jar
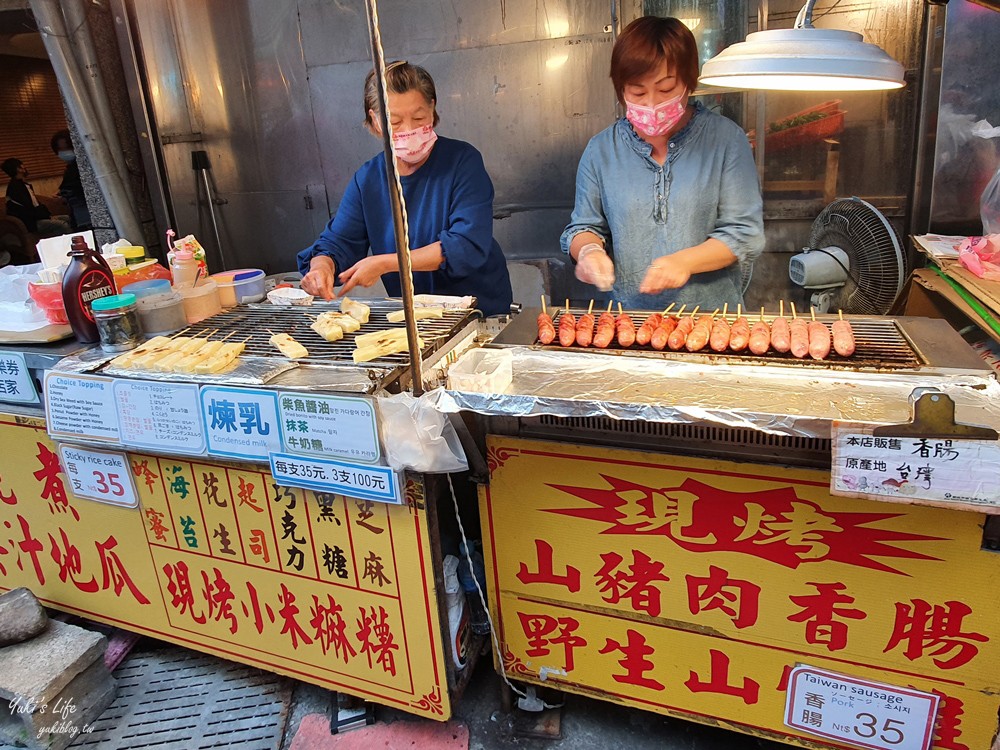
(184, 267)
(117, 322)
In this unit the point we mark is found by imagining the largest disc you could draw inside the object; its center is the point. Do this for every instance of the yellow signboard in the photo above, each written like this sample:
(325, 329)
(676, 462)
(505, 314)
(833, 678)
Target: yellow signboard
(219, 558)
(691, 587)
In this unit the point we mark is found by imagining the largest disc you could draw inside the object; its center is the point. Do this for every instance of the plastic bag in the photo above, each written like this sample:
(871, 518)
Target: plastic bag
(418, 437)
(981, 256)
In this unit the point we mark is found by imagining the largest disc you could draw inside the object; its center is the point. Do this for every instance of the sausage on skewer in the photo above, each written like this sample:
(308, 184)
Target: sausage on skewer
(680, 333)
(585, 327)
(605, 329)
(718, 339)
(798, 335)
(567, 328)
(760, 336)
(645, 332)
(819, 338)
(662, 334)
(546, 329)
(843, 336)
(781, 336)
(625, 328)
(739, 335)
(700, 334)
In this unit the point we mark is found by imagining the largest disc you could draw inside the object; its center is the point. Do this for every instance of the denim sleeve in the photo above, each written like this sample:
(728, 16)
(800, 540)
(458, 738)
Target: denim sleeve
(467, 239)
(588, 208)
(345, 238)
(740, 220)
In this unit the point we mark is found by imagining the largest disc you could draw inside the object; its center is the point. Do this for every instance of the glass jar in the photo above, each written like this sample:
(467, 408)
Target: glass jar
(117, 321)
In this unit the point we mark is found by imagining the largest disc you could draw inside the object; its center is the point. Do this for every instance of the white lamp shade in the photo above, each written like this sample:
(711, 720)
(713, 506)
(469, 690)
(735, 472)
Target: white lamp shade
(804, 59)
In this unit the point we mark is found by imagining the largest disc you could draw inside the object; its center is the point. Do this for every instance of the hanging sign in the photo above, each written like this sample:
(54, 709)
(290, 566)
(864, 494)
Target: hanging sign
(103, 476)
(909, 468)
(859, 712)
(378, 483)
(240, 422)
(16, 383)
(81, 407)
(162, 416)
(333, 426)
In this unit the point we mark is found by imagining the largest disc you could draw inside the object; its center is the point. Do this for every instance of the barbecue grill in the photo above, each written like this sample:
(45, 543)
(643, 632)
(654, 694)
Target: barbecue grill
(882, 344)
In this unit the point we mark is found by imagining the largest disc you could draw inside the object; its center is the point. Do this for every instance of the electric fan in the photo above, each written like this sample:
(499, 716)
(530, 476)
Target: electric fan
(854, 262)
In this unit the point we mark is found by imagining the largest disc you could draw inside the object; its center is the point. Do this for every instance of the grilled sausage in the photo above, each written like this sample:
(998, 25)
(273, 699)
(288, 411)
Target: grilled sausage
(626, 330)
(585, 330)
(605, 330)
(680, 333)
(760, 338)
(819, 340)
(781, 337)
(662, 333)
(719, 338)
(739, 336)
(546, 331)
(799, 337)
(698, 338)
(567, 329)
(843, 338)
(645, 332)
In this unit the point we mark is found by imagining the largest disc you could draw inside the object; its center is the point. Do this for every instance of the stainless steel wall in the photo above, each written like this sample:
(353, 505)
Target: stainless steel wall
(272, 90)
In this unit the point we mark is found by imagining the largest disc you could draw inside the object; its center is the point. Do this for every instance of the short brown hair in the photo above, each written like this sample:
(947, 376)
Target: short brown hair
(400, 77)
(648, 41)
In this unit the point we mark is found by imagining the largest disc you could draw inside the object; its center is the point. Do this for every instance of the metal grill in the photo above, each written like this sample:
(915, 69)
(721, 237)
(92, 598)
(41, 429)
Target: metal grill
(256, 323)
(880, 344)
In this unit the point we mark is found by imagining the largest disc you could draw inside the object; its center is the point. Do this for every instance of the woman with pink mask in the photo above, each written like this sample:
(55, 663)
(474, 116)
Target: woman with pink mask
(667, 198)
(449, 206)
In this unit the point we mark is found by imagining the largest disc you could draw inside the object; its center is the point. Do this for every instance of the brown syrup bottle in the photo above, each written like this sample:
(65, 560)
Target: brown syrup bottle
(88, 278)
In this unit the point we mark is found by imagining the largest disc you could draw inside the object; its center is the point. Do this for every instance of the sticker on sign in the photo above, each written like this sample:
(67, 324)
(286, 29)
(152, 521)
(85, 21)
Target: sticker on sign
(859, 712)
(99, 475)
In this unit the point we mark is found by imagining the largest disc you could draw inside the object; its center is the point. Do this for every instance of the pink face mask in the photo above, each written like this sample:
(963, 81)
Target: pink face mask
(413, 145)
(658, 120)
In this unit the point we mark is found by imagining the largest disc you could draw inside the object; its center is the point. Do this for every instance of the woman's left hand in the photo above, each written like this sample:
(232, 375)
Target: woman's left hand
(666, 272)
(365, 272)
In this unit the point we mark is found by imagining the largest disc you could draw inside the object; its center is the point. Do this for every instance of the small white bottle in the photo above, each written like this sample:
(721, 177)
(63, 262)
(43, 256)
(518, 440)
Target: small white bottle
(184, 268)
(458, 613)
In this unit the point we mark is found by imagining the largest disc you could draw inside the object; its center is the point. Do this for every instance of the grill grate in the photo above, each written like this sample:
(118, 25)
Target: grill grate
(177, 698)
(253, 322)
(879, 344)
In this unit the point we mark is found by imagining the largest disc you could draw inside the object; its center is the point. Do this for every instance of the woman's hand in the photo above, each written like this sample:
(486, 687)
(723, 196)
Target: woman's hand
(594, 266)
(319, 281)
(366, 272)
(666, 272)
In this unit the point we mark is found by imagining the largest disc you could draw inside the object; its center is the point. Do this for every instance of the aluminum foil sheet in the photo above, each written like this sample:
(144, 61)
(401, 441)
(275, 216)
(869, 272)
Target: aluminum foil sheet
(797, 403)
(249, 371)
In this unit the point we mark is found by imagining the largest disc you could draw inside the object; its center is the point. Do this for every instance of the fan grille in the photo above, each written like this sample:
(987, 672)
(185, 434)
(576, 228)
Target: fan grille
(878, 265)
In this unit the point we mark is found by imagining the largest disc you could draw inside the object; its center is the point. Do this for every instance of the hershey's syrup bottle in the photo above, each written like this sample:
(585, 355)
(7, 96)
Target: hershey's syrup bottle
(88, 278)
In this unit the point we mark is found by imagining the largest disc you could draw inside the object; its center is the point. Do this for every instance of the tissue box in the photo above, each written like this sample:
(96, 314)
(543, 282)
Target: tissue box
(482, 371)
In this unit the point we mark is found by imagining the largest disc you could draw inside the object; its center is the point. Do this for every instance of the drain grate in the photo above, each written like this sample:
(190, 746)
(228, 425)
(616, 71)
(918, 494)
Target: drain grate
(176, 698)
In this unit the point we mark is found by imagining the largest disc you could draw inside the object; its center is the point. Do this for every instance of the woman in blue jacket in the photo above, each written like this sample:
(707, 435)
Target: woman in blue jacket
(449, 206)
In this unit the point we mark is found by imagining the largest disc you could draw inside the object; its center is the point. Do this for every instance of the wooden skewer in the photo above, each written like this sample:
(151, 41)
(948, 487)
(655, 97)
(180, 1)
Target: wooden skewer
(669, 308)
(681, 311)
(590, 309)
(794, 315)
(762, 314)
(543, 305)
(695, 311)
(841, 314)
(739, 311)
(781, 308)
(567, 305)
(231, 333)
(619, 308)
(812, 311)
(609, 307)
(725, 310)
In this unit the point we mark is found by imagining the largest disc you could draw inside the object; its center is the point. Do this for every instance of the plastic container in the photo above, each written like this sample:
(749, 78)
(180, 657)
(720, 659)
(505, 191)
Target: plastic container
(149, 288)
(184, 267)
(162, 313)
(117, 322)
(48, 296)
(115, 262)
(479, 620)
(133, 255)
(200, 301)
(87, 279)
(458, 614)
(240, 286)
(141, 272)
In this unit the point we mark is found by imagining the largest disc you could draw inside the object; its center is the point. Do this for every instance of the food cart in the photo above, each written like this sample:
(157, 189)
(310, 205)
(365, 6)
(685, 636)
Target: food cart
(210, 510)
(770, 545)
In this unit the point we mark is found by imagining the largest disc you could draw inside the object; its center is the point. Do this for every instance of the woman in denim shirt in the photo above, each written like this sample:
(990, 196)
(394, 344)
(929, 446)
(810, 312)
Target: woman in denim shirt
(668, 205)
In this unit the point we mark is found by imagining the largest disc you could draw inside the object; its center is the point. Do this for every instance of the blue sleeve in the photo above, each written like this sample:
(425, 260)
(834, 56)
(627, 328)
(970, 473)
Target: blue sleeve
(588, 208)
(345, 238)
(467, 240)
(740, 221)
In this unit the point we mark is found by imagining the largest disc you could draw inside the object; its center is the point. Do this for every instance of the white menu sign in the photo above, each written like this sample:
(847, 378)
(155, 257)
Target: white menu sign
(99, 475)
(16, 383)
(81, 407)
(908, 468)
(859, 712)
(378, 483)
(336, 426)
(161, 416)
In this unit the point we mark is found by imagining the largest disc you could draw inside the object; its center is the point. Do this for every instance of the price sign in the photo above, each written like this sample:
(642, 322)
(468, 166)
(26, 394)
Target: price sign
(323, 475)
(240, 422)
(81, 406)
(99, 475)
(946, 470)
(859, 712)
(160, 416)
(334, 426)
(16, 383)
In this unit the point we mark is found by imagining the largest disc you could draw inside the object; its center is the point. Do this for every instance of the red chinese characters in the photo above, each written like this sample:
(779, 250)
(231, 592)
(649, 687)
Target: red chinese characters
(330, 628)
(544, 631)
(546, 573)
(634, 661)
(637, 583)
(718, 681)
(739, 600)
(823, 613)
(926, 630)
(376, 639)
(53, 489)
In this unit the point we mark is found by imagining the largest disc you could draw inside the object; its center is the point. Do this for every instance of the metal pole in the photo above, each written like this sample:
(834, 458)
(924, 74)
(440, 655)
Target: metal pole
(396, 200)
(71, 81)
(200, 163)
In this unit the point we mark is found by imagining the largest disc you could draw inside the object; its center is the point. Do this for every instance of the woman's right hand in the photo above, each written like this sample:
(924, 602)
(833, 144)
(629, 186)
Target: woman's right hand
(319, 281)
(594, 266)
